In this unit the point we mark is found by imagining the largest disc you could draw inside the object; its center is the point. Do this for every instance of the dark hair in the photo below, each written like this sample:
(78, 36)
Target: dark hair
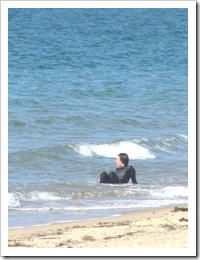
(124, 158)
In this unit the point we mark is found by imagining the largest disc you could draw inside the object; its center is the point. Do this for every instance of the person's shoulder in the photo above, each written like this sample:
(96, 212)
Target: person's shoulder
(130, 167)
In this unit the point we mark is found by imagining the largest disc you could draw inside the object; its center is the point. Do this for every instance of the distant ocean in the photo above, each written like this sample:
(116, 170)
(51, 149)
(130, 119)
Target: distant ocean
(85, 85)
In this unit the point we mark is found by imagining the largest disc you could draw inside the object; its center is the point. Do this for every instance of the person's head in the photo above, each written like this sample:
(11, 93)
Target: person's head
(122, 160)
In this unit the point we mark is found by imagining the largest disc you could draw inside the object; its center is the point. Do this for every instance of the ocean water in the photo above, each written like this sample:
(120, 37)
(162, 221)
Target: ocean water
(85, 85)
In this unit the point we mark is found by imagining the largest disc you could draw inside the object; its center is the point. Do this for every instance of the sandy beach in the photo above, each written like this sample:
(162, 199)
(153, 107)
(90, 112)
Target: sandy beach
(154, 228)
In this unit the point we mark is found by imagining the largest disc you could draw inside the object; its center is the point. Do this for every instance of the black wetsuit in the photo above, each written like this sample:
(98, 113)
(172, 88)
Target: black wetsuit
(121, 175)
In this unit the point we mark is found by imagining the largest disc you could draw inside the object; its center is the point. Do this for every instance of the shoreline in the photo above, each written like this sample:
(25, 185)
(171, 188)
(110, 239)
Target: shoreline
(165, 227)
(65, 222)
(122, 212)
(83, 220)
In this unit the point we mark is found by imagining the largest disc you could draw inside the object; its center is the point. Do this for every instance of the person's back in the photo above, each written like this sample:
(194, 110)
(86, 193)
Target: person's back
(126, 173)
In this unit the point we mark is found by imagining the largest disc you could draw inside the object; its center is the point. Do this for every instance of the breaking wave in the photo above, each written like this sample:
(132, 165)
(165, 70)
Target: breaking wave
(135, 151)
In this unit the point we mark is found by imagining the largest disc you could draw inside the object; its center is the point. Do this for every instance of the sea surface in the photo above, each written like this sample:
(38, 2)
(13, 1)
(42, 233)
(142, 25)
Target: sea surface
(85, 85)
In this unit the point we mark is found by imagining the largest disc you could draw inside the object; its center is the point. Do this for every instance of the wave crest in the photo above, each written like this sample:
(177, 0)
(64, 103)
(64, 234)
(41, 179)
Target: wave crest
(134, 150)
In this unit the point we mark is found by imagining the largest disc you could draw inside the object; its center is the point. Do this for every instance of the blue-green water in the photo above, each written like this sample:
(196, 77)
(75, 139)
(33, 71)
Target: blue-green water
(85, 85)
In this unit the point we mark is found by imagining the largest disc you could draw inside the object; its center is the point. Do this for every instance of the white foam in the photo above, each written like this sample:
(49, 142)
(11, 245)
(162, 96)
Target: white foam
(170, 192)
(134, 151)
(33, 209)
(43, 196)
(13, 200)
(185, 137)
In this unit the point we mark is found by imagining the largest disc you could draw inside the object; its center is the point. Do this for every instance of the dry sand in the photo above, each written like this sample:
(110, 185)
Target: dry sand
(155, 228)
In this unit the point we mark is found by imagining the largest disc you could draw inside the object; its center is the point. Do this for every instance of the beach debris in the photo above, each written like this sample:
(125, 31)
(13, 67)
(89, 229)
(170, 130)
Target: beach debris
(67, 244)
(183, 219)
(168, 227)
(176, 209)
(59, 232)
(78, 226)
(88, 238)
(119, 236)
(17, 244)
(112, 224)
